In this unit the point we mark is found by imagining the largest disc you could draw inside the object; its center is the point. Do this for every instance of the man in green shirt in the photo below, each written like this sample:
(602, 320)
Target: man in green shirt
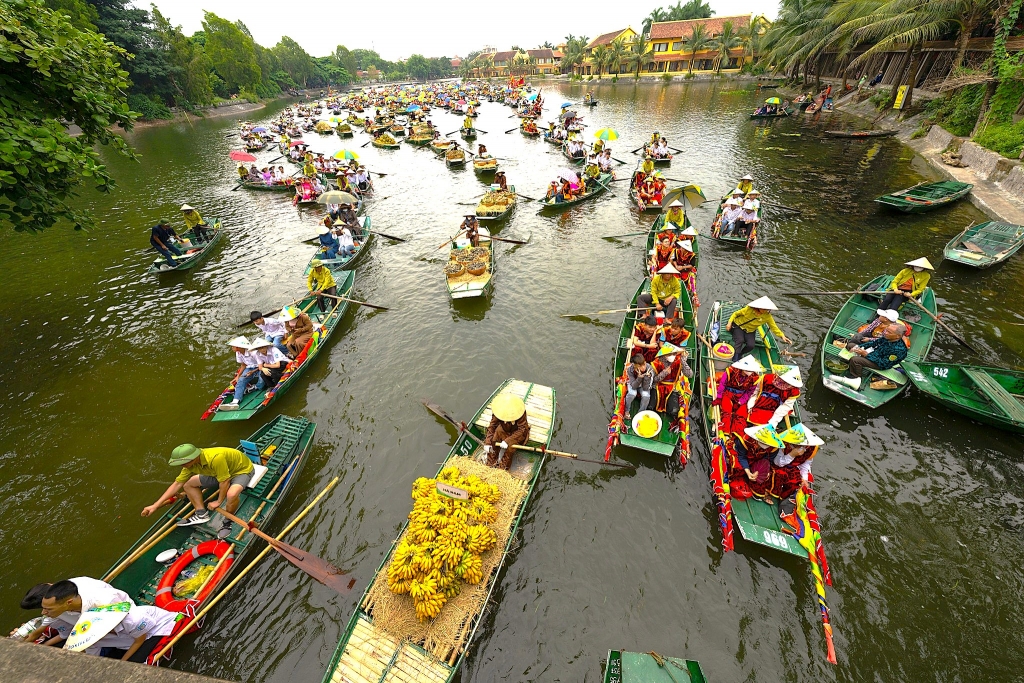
(226, 468)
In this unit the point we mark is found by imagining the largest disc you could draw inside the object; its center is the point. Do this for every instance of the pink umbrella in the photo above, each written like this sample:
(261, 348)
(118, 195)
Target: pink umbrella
(566, 174)
(295, 143)
(237, 155)
(462, 101)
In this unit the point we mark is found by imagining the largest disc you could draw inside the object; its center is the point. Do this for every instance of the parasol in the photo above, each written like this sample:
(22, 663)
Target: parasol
(237, 155)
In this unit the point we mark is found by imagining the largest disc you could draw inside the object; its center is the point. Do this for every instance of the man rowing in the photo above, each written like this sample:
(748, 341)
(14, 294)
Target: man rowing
(744, 323)
(509, 426)
(320, 281)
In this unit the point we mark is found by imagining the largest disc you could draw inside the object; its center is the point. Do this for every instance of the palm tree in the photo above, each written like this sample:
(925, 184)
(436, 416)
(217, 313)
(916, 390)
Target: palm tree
(574, 52)
(654, 17)
(640, 51)
(600, 55)
(727, 40)
(617, 55)
(750, 34)
(697, 42)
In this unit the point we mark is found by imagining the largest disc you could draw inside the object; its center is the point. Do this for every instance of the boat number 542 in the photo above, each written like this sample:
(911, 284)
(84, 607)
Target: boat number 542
(776, 539)
(941, 372)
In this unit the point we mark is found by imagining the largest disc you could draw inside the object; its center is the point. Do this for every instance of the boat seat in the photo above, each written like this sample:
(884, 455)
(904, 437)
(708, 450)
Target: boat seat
(998, 395)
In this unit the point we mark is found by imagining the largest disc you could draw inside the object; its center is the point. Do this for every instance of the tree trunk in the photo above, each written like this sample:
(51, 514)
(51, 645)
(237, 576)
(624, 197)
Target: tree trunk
(915, 66)
(990, 89)
(846, 76)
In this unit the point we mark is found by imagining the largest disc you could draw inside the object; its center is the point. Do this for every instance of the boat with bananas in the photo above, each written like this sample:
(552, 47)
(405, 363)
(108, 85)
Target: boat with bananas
(344, 130)
(664, 432)
(323, 128)
(455, 158)
(650, 667)
(485, 165)
(397, 129)
(759, 520)
(191, 255)
(926, 196)
(278, 450)
(496, 204)
(325, 322)
(469, 270)
(362, 237)
(734, 237)
(985, 245)
(858, 311)
(422, 611)
(992, 396)
(549, 205)
(385, 141)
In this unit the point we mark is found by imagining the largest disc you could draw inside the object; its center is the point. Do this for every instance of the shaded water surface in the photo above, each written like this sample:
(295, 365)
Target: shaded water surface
(106, 369)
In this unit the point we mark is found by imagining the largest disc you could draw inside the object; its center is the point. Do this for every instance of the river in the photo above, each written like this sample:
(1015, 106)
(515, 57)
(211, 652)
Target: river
(107, 369)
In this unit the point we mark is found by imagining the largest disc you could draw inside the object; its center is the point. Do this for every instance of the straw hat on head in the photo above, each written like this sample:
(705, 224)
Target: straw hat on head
(747, 177)
(323, 230)
(667, 350)
(764, 303)
(677, 203)
(801, 435)
(240, 342)
(288, 313)
(186, 207)
(686, 244)
(792, 376)
(738, 191)
(669, 269)
(749, 364)
(261, 343)
(766, 434)
(508, 408)
(920, 263)
(689, 232)
(753, 193)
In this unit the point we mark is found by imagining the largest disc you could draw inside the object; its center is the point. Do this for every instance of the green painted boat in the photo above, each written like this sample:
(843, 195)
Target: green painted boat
(659, 226)
(553, 141)
(575, 160)
(420, 140)
(856, 312)
(368, 652)
(346, 262)
(788, 111)
(292, 440)
(985, 245)
(263, 187)
(466, 285)
(666, 442)
(468, 133)
(732, 238)
(189, 260)
(992, 396)
(603, 181)
(757, 521)
(385, 145)
(324, 321)
(641, 667)
(926, 196)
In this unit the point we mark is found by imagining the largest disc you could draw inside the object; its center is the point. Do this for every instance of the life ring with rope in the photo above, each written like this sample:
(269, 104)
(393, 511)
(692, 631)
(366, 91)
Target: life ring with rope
(164, 597)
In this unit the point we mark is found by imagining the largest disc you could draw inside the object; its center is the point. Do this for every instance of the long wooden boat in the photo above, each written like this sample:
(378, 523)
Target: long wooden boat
(496, 205)
(191, 258)
(468, 133)
(777, 115)
(455, 161)
(346, 262)
(260, 186)
(641, 667)
(371, 649)
(668, 439)
(530, 134)
(926, 196)
(859, 310)
(324, 324)
(464, 284)
(747, 242)
(598, 188)
(282, 446)
(552, 140)
(485, 165)
(860, 133)
(420, 140)
(985, 245)
(645, 207)
(397, 129)
(441, 144)
(659, 227)
(992, 396)
(380, 144)
(578, 159)
(344, 130)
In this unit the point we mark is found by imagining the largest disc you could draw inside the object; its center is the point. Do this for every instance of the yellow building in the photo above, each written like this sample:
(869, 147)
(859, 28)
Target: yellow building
(544, 61)
(588, 67)
(670, 55)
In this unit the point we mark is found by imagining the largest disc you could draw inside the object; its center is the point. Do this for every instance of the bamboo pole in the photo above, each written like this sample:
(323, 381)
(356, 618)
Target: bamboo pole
(263, 553)
(270, 495)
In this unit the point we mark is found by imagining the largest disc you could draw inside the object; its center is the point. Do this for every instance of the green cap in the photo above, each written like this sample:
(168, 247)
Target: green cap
(164, 221)
(184, 453)
(316, 263)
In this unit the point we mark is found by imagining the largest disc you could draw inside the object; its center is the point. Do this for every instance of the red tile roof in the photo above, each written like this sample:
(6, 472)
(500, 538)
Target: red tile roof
(683, 29)
(456, 63)
(541, 54)
(607, 38)
(504, 56)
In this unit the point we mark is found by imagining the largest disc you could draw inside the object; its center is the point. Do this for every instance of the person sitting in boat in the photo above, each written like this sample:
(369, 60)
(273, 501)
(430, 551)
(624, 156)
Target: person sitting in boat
(481, 151)
(246, 367)
(598, 146)
(737, 384)
(675, 332)
(529, 126)
(665, 292)
(909, 283)
(730, 217)
(346, 240)
(791, 468)
(776, 398)
(163, 237)
(271, 362)
(877, 354)
(746, 184)
(664, 252)
(639, 380)
(685, 262)
(347, 216)
(644, 339)
(328, 241)
(499, 180)
(318, 187)
(343, 183)
(280, 177)
(471, 227)
(509, 426)
(568, 190)
(553, 193)
(604, 161)
(754, 449)
(226, 468)
(875, 328)
(272, 329)
(749, 217)
(670, 367)
(743, 325)
(319, 282)
(298, 330)
(676, 214)
(362, 180)
(591, 173)
(655, 137)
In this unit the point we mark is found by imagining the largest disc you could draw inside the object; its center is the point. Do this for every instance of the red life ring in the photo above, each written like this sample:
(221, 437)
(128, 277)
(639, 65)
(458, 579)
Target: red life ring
(164, 597)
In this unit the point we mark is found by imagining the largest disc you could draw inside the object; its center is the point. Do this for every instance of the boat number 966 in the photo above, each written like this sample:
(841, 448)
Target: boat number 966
(776, 539)
(941, 372)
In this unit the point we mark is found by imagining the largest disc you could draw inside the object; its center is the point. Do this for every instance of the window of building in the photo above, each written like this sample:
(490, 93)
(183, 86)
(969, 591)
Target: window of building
(661, 47)
(677, 46)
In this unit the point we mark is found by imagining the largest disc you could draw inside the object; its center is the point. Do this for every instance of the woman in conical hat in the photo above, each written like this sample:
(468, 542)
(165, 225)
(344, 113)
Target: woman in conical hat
(686, 261)
(675, 214)
(509, 426)
(908, 283)
(744, 322)
(792, 466)
(776, 398)
(754, 448)
(737, 385)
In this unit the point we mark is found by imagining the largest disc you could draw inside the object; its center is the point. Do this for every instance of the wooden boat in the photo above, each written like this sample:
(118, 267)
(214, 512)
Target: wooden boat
(496, 205)
(578, 159)
(777, 115)
(590, 103)
(370, 649)
(552, 140)
(261, 186)
(324, 323)
(468, 133)
(860, 133)
(642, 667)
(660, 161)
(344, 130)
(926, 196)
(483, 165)
(747, 242)
(383, 144)
(985, 245)
(602, 184)
(455, 158)
(634, 196)
(191, 258)
(253, 147)
(667, 439)
(530, 134)
(363, 242)
(860, 310)
(441, 144)
(989, 395)
(461, 283)
(398, 130)
(420, 140)
(659, 226)
(282, 446)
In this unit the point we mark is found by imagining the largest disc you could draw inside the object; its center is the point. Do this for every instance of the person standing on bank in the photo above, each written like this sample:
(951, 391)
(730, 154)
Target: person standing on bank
(226, 468)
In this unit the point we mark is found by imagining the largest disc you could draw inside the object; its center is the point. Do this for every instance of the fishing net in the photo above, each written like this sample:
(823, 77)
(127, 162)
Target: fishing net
(396, 614)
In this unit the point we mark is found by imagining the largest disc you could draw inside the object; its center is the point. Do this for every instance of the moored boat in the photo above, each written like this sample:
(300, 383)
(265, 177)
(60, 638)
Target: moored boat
(192, 256)
(858, 311)
(985, 245)
(469, 270)
(440, 144)
(599, 186)
(384, 640)
(992, 396)
(644, 667)
(926, 196)
(279, 449)
(496, 204)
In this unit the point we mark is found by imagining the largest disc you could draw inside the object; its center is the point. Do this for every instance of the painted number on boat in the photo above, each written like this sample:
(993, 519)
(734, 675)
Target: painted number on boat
(775, 538)
(941, 372)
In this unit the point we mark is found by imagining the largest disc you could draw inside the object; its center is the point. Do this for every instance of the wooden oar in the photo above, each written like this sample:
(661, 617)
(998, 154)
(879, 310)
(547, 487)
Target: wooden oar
(614, 310)
(503, 239)
(384, 234)
(316, 567)
(453, 132)
(944, 325)
(273, 160)
(351, 301)
(449, 241)
(628, 234)
(781, 206)
(263, 553)
(619, 160)
(571, 456)
(481, 130)
(511, 130)
(858, 291)
(443, 414)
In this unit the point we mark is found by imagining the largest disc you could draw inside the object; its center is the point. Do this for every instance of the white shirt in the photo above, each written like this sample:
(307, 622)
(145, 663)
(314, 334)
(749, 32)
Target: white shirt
(345, 238)
(245, 357)
(272, 355)
(271, 327)
(94, 593)
(750, 207)
(783, 459)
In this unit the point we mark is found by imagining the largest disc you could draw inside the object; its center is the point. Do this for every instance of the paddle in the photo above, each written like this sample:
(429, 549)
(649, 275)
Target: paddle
(511, 130)
(780, 206)
(452, 133)
(502, 239)
(529, 199)
(619, 180)
(316, 567)
(628, 234)
(614, 310)
(384, 234)
(660, 661)
(944, 325)
(382, 175)
(481, 130)
(449, 241)
(366, 143)
(619, 161)
(571, 456)
(353, 301)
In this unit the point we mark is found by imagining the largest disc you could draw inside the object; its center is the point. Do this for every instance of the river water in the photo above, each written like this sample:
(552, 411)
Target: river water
(106, 369)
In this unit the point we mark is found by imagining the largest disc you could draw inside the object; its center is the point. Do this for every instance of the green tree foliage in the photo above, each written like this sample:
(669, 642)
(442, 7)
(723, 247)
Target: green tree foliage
(346, 60)
(692, 9)
(191, 69)
(232, 53)
(82, 15)
(294, 60)
(54, 73)
(130, 29)
(330, 72)
(723, 43)
(418, 67)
